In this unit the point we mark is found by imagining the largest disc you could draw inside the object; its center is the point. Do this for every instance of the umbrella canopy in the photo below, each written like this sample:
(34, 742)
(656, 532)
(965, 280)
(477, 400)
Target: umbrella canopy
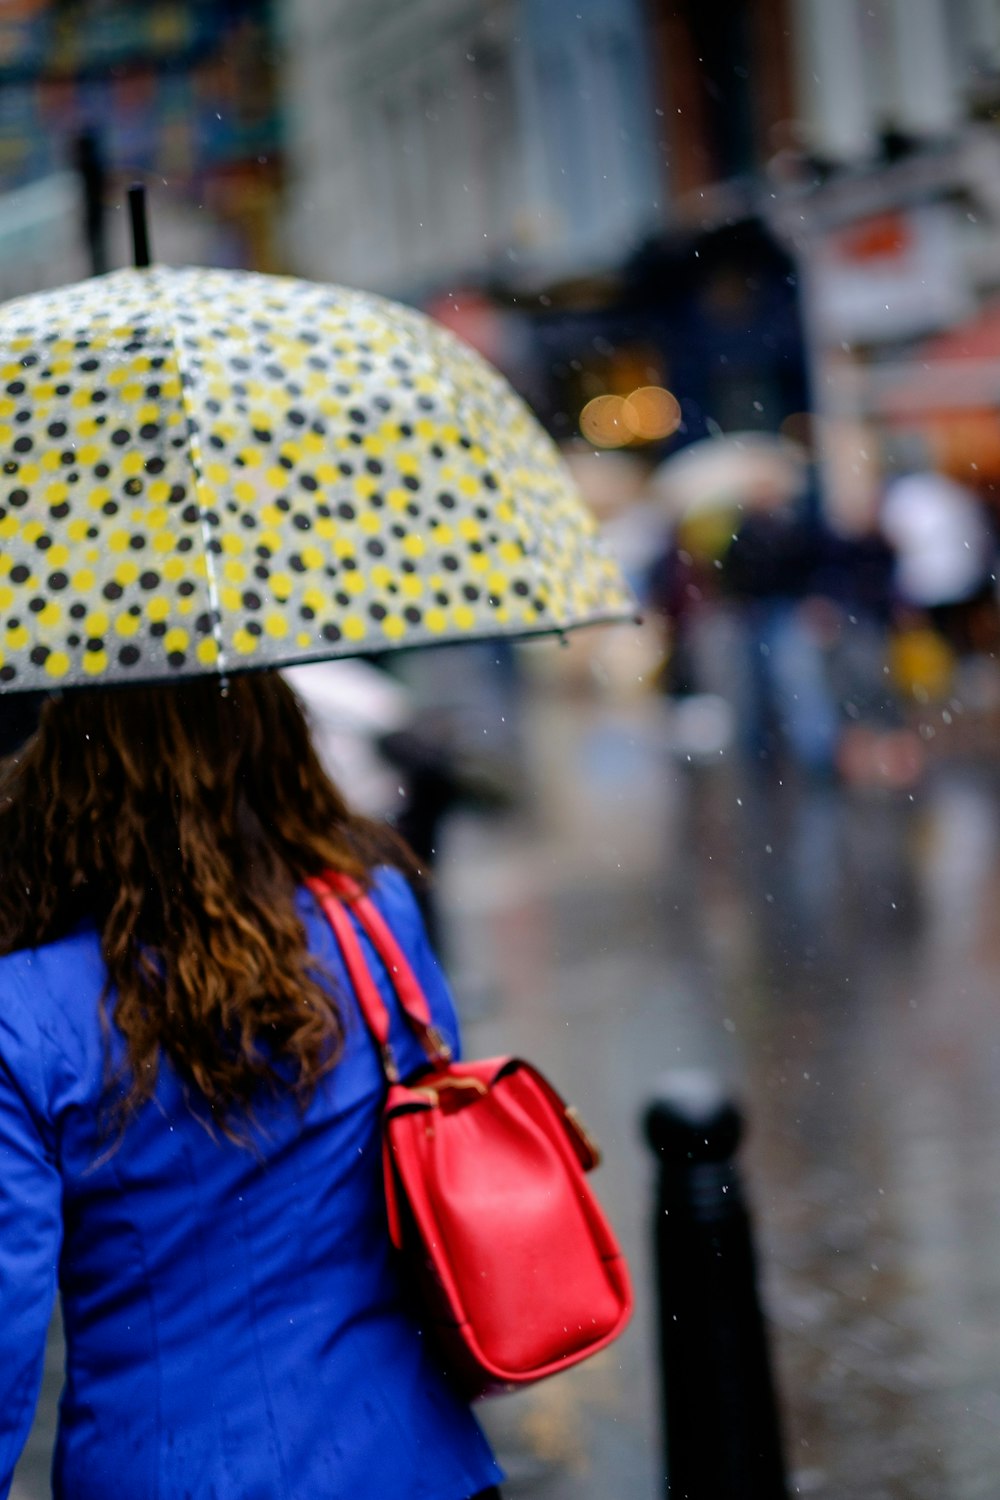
(739, 469)
(213, 470)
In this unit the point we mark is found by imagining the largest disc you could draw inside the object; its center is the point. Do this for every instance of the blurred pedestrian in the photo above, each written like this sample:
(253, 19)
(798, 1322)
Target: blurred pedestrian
(945, 550)
(785, 698)
(190, 1115)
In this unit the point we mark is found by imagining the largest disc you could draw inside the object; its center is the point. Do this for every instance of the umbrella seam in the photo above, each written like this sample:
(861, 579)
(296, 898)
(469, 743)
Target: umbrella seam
(197, 464)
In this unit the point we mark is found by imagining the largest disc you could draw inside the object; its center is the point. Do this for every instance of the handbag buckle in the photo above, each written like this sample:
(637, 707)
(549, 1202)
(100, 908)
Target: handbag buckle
(433, 1091)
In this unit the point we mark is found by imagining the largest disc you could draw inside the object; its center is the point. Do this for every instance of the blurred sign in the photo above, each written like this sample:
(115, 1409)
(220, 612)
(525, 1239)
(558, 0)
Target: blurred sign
(893, 276)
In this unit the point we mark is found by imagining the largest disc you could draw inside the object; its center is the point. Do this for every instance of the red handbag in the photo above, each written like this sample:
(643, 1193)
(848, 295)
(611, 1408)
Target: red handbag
(517, 1272)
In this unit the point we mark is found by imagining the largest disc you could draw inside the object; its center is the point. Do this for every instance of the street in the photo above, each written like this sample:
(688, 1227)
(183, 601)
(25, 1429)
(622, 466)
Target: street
(834, 956)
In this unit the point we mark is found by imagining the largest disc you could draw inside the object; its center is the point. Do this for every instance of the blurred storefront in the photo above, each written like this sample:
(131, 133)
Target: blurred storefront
(889, 200)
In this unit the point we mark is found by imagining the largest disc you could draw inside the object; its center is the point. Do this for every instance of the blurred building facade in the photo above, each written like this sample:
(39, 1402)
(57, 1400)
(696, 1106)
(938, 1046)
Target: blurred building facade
(437, 142)
(889, 196)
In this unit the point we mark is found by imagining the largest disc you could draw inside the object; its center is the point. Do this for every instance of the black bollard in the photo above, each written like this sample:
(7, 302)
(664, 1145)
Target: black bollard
(721, 1430)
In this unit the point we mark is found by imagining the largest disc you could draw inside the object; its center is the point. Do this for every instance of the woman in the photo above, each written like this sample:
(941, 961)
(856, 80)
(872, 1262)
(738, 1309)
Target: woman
(189, 1116)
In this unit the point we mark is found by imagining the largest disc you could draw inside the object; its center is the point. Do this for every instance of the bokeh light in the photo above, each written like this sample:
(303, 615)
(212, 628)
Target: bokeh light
(647, 415)
(651, 413)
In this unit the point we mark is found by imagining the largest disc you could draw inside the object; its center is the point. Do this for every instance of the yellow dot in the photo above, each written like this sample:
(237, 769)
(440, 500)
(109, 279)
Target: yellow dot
(28, 474)
(411, 586)
(271, 515)
(118, 541)
(312, 557)
(276, 626)
(354, 583)
(244, 642)
(95, 662)
(176, 639)
(96, 622)
(413, 546)
(315, 598)
(83, 580)
(51, 461)
(56, 491)
(393, 627)
(126, 573)
(6, 596)
(217, 473)
(9, 526)
(207, 651)
(127, 624)
(158, 608)
(344, 547)
(158, 491)
(32, 530)
(233, 571)
(244, 491)
(17, 638)
(370, 522)
(468, 529)
(57, 664)
(132, 464)
(50, 615)
(58, 556)
(436, 621)
(354, 627)
(303, 639)
(281, 586)
(174, 567)
(464, 617)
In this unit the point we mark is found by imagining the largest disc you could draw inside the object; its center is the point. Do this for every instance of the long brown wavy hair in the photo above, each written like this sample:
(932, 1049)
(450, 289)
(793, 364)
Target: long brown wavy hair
(180, 820)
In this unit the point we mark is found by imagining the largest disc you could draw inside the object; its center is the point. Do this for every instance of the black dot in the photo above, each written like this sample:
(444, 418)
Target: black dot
(133, 486)
(120, 436)
(154, 465)
(251, 600)
(450, 562)
(77, 611)
(185, 588)
(110, 507)
(149, 580)
(73, 640)
(58, 581)
(95, 643)
(39, 655)
(412, 614)
(129, 655)
(470, 591)
(377, 611)
(446, 500)
(18, 498)
(176, 658)
(190, 513)
(56, 429)
(302, 522)
(357, 415)
(36, 605)
(102, 470)
(158, 628)
(346, 511)
(331, 632)
(252, 628)
(112, 591)
(60, 511)
(23, 445)
(19, 573)
(307, 612)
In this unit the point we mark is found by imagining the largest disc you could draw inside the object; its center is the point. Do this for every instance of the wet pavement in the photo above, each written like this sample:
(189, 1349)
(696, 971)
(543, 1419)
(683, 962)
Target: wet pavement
(836, 957)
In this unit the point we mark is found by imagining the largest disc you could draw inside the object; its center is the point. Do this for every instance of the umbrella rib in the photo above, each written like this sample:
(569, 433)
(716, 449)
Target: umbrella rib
(194, 448)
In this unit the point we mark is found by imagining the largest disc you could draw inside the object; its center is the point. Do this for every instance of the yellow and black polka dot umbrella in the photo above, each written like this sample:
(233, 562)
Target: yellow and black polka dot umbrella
(211, 470)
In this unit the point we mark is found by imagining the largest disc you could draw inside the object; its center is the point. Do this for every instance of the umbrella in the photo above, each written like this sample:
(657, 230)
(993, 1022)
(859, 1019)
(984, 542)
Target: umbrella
(755, 469)
(213, 470)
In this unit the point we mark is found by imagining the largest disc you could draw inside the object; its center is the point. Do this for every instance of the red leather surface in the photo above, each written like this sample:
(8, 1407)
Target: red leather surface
(518, 1270)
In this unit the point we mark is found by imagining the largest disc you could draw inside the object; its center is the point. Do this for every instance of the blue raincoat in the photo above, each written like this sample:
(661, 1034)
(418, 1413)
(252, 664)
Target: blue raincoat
(233, 1321)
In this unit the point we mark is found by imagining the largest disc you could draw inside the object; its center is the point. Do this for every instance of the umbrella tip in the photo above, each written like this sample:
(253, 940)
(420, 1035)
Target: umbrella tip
(140, 226)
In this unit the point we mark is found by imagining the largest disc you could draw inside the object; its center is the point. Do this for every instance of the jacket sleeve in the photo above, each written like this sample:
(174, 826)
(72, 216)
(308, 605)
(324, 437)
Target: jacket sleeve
(30, 1227)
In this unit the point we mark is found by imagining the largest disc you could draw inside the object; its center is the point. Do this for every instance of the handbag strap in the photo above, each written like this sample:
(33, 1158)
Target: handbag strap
(332, 890)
